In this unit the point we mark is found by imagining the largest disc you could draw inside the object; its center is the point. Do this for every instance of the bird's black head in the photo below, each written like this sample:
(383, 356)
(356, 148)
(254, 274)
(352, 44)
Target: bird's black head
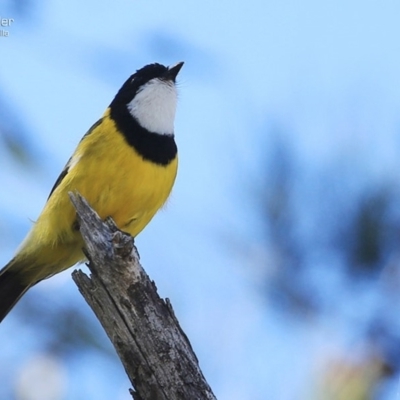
(150, 97)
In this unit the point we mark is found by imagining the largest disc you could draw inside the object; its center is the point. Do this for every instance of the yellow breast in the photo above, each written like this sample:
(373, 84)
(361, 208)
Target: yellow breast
(116, 181)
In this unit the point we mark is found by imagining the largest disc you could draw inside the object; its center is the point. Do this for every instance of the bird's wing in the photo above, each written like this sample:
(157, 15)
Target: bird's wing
(67, 166)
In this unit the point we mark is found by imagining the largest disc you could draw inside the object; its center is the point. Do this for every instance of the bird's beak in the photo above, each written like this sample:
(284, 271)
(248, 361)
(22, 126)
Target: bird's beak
(173, 71)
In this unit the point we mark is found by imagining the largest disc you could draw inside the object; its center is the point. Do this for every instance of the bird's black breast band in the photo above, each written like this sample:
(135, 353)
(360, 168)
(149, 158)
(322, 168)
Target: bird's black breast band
(159, 149)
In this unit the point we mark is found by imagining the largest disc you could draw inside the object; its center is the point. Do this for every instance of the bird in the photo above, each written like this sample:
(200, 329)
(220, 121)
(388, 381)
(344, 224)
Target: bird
(125, 167)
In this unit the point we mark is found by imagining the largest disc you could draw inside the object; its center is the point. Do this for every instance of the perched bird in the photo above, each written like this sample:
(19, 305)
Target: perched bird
(125, 166)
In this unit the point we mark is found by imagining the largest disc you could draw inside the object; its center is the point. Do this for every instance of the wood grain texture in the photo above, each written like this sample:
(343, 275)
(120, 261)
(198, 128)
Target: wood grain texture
(156, 354)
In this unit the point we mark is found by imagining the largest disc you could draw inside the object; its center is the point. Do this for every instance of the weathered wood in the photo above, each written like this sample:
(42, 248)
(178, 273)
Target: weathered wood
(155, 352)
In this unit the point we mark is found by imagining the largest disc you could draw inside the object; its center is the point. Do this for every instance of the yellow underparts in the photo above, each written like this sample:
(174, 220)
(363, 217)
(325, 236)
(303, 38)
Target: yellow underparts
(116, 181)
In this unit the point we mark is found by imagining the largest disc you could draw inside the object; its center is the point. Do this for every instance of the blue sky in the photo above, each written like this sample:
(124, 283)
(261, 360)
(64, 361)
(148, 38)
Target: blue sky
(326, 72)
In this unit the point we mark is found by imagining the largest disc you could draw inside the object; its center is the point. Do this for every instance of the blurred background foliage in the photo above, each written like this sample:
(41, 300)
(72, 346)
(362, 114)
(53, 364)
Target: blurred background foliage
(323, 251)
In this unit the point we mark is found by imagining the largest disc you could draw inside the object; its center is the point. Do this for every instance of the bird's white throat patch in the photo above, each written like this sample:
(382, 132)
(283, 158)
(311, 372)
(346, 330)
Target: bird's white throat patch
(154, 106)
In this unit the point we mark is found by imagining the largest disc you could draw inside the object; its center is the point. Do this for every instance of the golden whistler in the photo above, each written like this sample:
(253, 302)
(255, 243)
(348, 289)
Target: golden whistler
(125, 166)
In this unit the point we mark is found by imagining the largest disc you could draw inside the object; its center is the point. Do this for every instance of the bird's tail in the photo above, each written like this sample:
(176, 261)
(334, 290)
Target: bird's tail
(12, 288)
